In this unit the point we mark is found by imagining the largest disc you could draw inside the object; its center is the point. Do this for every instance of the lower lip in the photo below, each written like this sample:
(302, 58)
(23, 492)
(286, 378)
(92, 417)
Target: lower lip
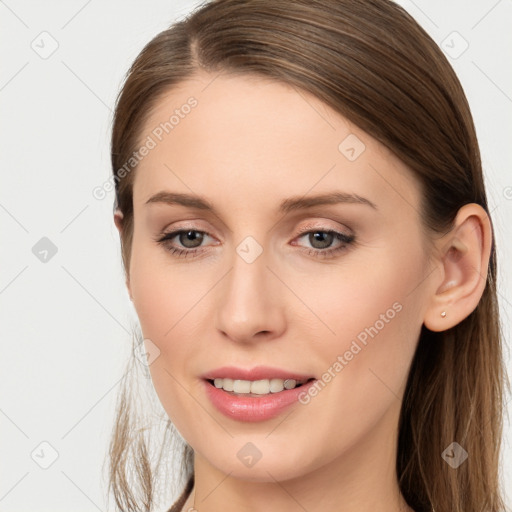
(254, 408)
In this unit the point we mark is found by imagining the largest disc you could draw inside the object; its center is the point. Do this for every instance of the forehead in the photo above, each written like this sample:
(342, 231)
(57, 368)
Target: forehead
(247, 136)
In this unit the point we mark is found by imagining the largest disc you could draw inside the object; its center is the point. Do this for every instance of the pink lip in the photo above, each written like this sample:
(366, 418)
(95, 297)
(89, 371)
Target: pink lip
(253, 408)
(256, 373)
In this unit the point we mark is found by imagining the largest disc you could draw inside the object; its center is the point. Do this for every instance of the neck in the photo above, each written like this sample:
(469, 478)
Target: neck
(361, 478)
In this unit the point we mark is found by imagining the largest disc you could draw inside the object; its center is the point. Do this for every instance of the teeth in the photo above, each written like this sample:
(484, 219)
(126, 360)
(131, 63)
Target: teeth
(242, 386)
(256, 387)
(227, 384)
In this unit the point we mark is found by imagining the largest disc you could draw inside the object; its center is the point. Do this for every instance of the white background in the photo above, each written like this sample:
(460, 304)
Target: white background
(66, 322)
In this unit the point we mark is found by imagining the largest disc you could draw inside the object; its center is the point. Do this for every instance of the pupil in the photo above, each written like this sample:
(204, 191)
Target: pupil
(192, 236)
(321, 236)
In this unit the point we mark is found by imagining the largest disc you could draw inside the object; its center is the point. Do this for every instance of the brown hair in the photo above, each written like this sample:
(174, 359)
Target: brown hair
(370, 61)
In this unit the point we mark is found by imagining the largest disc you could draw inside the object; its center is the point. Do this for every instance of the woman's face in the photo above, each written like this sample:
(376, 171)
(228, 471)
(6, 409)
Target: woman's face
(260, 284)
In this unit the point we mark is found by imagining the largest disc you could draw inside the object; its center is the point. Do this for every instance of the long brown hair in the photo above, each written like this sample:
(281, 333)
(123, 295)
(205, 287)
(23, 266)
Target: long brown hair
(370, 61)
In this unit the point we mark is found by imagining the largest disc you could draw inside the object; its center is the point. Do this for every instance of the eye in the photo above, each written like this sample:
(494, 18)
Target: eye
(322, 240)
(190, 239)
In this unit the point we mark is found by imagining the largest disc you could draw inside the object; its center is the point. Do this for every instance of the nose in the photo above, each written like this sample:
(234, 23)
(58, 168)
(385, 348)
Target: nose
(250, 302)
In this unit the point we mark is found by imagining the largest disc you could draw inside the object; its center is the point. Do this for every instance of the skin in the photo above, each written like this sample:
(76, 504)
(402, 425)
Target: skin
(249, 144)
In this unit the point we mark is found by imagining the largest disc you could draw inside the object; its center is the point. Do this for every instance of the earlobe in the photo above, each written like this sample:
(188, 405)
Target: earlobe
(118, 219)
(464, 261)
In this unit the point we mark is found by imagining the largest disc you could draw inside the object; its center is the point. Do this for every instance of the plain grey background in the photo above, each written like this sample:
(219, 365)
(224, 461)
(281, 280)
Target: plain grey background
(65, 320)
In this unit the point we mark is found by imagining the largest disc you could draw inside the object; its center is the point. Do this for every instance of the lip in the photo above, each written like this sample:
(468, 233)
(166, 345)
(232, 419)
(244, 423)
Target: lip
(255, 373)
(257, 407)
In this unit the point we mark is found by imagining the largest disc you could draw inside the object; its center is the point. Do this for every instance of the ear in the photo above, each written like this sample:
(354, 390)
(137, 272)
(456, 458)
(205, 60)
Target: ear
(118, 221)
(463, 256)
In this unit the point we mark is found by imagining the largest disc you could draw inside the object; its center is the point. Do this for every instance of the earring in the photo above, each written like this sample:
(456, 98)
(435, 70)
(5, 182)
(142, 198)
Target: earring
(443, 314)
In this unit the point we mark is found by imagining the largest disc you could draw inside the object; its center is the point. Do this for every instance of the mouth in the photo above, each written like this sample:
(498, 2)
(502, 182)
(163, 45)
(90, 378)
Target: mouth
(255, 394)
(256, 388)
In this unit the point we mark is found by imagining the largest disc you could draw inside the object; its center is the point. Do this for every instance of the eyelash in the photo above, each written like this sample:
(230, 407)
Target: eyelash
(328, 253)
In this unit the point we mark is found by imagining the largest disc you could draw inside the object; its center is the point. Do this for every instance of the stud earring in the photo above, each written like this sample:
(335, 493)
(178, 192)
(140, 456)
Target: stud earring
(443, 314)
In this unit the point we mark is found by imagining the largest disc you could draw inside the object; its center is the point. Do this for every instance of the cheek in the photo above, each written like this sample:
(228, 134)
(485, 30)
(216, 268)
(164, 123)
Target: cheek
(347, 296)
(376, 322)
(162, 293)
(371, 315)
(164, 301)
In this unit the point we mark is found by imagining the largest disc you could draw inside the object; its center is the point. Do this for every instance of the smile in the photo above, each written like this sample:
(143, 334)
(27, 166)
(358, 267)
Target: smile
(256, 387)
(255, 400)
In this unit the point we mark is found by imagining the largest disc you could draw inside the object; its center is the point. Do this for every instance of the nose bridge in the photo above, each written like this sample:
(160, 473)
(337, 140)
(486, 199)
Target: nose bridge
(248, 301)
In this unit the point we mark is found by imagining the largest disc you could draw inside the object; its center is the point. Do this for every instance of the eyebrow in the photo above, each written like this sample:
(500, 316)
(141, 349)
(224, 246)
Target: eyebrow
(286, 206)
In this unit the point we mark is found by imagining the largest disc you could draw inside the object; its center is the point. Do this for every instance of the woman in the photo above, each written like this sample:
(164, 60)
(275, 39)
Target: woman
(307, 244)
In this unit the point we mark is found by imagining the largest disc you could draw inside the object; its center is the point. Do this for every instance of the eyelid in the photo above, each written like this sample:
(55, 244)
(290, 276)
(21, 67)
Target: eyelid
(322, 226)
(309, 226)
(346, 242)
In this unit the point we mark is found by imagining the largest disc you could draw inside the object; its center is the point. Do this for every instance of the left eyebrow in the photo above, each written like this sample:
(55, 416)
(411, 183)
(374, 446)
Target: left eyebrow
(286, 206)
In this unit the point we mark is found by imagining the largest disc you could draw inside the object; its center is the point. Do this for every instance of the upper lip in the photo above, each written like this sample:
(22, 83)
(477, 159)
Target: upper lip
(255, 373)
